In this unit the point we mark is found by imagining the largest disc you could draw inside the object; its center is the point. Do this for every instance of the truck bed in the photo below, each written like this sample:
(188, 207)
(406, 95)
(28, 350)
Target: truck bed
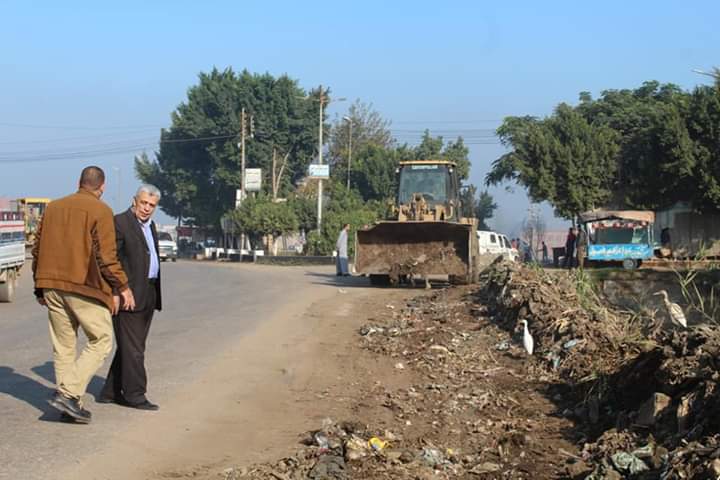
(12, 255)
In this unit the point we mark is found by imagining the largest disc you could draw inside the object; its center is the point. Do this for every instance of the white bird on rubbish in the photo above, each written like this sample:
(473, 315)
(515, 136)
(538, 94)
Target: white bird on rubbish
(528, 341)
(673, 309)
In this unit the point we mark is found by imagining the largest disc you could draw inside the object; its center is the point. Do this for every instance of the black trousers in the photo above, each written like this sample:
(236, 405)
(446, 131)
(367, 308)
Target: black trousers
(127, 378)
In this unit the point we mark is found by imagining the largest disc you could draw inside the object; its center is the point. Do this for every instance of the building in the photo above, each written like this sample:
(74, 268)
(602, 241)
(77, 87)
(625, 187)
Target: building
(691, 232)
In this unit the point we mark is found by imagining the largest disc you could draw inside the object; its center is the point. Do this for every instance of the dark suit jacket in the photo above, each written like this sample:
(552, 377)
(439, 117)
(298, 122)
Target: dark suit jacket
(134, 257)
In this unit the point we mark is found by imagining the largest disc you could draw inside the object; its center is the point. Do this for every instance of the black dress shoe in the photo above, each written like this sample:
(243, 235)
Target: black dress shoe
(71, 407)
(102, 399)
(146, 405)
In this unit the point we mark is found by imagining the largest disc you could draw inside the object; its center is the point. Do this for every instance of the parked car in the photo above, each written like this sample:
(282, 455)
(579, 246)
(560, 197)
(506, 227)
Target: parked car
(494, 243)
(168, 247)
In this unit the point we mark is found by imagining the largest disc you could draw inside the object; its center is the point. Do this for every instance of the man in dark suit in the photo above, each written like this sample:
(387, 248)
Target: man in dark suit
(137, 250)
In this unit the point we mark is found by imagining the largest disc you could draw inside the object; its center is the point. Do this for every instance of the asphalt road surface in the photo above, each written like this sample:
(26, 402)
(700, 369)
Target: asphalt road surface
(208, 308)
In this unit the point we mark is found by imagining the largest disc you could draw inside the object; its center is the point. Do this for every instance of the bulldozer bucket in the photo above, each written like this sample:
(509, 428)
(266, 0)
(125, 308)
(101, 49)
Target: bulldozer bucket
(414, 248)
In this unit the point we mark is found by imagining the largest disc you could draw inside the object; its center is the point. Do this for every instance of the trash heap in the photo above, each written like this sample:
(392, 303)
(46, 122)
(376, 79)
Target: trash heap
(650, 407)
(666, 406)
(340, 451)
(576, 337)
(599, 399)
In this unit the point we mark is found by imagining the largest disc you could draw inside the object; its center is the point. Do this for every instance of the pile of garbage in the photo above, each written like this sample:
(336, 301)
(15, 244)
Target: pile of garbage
(599, 398)
(340, 451)
(651, 402)
(666, 407)
(576, 336)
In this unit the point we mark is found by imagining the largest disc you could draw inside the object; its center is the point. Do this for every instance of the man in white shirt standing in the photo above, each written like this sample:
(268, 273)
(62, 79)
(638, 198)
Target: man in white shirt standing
(341, 262)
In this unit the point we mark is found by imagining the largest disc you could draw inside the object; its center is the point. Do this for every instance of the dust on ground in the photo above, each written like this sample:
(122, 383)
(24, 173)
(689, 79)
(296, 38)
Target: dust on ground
(444, 388)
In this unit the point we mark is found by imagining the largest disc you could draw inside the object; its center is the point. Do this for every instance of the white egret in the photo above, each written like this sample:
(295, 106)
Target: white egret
(673, 309)
(528, 341)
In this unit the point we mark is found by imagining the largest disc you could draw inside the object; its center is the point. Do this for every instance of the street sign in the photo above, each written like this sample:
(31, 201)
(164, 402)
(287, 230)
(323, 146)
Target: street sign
(253, 179)
(319, 171)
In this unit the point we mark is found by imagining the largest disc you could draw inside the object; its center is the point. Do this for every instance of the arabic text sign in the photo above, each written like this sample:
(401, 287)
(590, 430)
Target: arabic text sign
(319, 171)
(253, 179)
(620, 251)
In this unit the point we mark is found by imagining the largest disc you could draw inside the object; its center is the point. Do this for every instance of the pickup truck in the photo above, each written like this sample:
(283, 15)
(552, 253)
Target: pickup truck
(12, 252)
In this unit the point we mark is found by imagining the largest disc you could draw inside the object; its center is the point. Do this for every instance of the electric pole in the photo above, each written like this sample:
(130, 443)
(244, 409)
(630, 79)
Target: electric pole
(350, 139)
(243, 128)
(320, 161)
(244, 120)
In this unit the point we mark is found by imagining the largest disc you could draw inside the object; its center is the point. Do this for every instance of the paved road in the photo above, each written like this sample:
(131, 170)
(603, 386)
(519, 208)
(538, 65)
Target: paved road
(208, 307)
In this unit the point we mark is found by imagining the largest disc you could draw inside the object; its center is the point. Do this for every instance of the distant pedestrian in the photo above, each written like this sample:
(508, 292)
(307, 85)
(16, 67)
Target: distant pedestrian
(341, 261)
(76, 270)
(544, 252)
(581, 246)
(139, 254)
(570, 248)
(665, 239)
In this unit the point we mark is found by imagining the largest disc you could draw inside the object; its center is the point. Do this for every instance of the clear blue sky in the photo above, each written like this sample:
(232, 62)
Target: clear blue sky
(85, 76)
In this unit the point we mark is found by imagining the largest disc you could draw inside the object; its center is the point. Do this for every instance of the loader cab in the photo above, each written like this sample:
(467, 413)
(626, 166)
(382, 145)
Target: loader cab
(435, 181)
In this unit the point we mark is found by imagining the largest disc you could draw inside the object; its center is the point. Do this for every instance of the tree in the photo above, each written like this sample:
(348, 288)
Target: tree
(563, 159)
(480, 206)
(368, 128)
(261, 218)
(704, 129)
(434, 148)
(485, 208)
(374, 173)
(344, 206)
(197, 166)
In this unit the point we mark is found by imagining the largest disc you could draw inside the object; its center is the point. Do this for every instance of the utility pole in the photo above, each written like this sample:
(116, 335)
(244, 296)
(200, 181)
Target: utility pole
(243, 129)
(350, 138)
(320, 161)
(244, 120)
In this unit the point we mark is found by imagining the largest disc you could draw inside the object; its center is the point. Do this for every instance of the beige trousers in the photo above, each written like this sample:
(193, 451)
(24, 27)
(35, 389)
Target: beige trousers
(67, 311)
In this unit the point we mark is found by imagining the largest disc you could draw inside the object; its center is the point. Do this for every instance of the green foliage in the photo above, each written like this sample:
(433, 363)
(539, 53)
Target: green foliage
(485, 208)
(365, 128)
(374, 173)
(562, 159)
(198, 165)
(344, 206)
(260, 216)
(645, 148)
(480, 206)
(305, 209)
(434, 148)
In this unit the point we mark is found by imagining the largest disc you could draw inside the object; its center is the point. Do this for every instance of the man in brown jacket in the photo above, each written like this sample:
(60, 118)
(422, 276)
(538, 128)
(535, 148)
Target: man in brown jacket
(75, 268)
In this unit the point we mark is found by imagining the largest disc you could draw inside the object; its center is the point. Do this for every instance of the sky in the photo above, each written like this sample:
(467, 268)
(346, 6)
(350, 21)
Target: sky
(93, 82)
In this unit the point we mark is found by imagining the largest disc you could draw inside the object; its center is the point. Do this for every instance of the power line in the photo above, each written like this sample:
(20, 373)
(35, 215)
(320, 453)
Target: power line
(125, 146)
(68, 127)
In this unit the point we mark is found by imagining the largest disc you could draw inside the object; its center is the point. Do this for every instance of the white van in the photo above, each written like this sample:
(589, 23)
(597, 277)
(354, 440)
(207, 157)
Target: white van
(494, 243)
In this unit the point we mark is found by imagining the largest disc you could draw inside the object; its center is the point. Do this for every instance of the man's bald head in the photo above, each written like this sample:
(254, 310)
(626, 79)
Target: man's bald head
(92, 178)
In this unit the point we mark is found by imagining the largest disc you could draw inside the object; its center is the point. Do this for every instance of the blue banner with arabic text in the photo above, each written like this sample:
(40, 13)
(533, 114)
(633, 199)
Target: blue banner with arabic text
(620, 251)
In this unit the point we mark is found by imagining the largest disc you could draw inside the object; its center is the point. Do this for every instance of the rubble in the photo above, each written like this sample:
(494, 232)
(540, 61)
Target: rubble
(606, 395)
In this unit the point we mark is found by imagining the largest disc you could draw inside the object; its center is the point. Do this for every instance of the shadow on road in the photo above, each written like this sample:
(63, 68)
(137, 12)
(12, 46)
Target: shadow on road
(34, 393)
(358, 281)
(47, 371)
(344, 282)
(29, 391)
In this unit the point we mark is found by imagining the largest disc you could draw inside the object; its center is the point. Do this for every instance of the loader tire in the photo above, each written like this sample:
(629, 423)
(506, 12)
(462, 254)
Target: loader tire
(377, 280)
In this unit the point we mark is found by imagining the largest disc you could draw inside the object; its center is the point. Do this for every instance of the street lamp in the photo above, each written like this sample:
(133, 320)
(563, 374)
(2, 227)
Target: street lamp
(350, 123)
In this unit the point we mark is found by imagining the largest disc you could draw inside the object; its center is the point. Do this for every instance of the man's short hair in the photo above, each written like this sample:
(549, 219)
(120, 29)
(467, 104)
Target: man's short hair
(92, 177)
(151, 190)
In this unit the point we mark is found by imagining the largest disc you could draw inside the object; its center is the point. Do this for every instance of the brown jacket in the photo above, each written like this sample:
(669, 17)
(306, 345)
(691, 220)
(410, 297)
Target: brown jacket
(75, 249)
